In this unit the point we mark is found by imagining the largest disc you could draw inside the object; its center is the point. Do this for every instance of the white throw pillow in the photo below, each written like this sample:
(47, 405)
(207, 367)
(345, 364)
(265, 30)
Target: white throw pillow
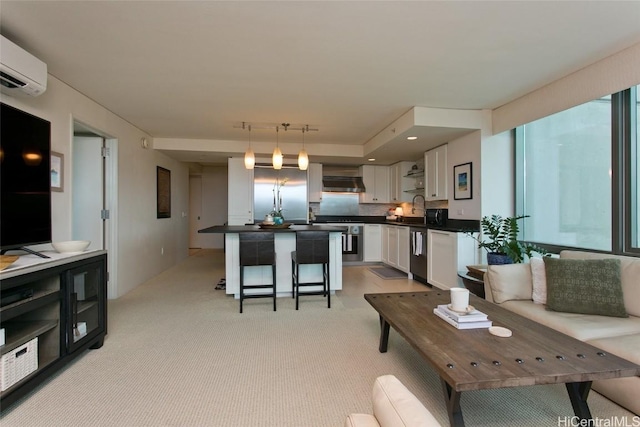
(539, 279)
(510, 282)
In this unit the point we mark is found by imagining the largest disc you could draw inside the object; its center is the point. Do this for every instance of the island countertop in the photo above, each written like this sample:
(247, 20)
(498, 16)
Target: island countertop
(225, 229)
(284, 243)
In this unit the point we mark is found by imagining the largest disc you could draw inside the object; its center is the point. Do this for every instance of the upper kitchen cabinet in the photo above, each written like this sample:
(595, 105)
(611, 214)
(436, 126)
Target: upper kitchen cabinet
(436, 181)
(376, 182)
(315, 182)
(402, 187)
(240, 198)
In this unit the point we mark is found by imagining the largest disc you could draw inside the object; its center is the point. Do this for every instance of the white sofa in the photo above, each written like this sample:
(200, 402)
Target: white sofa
(393, 406)
(512, 286)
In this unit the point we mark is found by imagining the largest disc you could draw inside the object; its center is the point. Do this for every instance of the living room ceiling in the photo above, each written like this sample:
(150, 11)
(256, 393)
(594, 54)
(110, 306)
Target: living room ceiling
(197, 69)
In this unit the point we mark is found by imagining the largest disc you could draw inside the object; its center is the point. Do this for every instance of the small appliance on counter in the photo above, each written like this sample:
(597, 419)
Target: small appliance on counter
(436, 216)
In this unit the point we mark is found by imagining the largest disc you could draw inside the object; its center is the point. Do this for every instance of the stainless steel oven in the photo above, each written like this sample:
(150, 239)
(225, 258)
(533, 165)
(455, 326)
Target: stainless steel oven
(352, 241)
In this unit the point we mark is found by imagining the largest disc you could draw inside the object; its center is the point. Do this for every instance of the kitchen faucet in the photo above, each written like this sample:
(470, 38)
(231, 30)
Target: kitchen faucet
(413, 204)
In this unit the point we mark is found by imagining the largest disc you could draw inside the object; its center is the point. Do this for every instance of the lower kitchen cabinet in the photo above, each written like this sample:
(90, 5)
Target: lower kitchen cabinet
(51, 311)
(395, 249)
(403, 249)
(385, 243)
(372, 243)
(447, 253)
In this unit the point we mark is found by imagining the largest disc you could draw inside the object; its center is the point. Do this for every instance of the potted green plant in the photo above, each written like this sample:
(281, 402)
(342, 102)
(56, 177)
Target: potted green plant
(501, 240)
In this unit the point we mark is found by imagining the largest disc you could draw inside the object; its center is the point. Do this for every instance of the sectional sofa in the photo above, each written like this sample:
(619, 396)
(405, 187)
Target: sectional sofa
(523, 289)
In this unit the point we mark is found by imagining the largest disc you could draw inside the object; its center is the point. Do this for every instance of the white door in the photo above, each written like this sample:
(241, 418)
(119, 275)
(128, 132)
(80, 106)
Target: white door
(195, 210)
(88, 190)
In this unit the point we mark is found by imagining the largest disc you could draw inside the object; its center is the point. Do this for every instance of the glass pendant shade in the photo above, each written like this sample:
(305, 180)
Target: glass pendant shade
(277, 158)
(249, 159)
(303, 160)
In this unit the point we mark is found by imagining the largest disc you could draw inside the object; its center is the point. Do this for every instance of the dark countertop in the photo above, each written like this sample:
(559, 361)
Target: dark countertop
(453, 225)
(456, 226)
(223, 229)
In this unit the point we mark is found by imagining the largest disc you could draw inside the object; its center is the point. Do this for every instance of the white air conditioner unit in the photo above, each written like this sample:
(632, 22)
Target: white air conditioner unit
(20, 72)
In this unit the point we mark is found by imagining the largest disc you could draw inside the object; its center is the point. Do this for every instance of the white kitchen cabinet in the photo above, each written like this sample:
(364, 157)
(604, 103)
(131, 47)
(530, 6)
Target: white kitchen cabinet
(240, 197)
(403, 249)
(399, 184)
(392, 260)
(315, 182)
(395, 246)
(436, 174)
(385, 243)
(376, 182)
(372, 243)
(447, 253)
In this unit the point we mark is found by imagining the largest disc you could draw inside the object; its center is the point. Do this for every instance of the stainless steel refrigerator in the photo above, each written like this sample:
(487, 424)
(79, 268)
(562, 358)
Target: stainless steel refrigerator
(285, 188)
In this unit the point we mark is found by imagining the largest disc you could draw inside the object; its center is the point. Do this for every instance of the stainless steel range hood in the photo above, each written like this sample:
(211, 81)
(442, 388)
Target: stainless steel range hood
(343, 184)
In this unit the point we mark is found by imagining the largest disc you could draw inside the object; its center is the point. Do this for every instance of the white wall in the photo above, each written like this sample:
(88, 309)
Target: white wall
(140, 235)
(214, 203)
(498, 172)
(464, 150)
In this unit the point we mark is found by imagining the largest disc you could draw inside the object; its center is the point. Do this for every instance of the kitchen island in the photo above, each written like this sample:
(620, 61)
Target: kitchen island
(285, 243)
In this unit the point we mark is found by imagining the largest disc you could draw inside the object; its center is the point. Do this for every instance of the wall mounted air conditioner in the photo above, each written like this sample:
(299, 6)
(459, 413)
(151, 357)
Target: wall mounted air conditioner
(20, 72)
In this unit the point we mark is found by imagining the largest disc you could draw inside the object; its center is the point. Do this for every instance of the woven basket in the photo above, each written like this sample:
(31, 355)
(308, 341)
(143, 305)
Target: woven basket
(7, 260)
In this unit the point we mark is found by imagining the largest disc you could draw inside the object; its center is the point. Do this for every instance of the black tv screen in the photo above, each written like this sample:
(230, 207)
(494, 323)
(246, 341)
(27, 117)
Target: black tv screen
(25, 179)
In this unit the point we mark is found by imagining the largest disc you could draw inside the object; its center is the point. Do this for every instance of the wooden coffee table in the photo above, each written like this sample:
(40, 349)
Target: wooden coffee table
(476, 360)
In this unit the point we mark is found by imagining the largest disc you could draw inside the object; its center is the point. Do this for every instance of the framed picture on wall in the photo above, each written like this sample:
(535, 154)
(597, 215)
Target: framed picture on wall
(57, 171)
(462, 178)
(163, 177)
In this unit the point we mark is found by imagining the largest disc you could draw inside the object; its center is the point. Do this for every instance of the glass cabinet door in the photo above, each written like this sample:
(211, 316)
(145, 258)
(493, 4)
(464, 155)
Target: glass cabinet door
(85, 303)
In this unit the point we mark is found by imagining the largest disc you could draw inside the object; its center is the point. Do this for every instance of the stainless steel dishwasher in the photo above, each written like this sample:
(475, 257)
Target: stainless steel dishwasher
(418, 253)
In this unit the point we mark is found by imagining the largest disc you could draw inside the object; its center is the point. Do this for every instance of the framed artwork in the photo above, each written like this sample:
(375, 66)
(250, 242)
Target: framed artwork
(57, 171)
(462, 178)
(163, 178)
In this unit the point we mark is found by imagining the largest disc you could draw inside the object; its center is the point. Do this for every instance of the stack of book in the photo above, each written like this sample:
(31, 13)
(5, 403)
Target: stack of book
(472, 320)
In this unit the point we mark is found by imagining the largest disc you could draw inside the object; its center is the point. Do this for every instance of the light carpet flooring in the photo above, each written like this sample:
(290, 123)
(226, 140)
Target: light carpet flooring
(178, 353)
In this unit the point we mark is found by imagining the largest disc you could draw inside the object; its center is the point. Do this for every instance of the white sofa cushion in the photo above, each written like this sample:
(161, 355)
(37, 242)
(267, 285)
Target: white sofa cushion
(538, 280)
(624, 391)
(627, 346)
(509, 282)
(584, 327)
(395, 406)
(629, 276)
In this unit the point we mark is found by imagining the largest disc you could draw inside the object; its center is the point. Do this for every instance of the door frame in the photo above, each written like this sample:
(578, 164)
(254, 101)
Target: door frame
(110, 197)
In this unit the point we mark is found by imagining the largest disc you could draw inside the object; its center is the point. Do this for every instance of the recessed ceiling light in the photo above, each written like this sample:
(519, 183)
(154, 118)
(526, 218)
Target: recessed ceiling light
(372, 160)
(412, 138)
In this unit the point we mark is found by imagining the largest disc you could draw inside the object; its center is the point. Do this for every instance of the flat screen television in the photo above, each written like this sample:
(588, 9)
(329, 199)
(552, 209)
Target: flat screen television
(25, 179)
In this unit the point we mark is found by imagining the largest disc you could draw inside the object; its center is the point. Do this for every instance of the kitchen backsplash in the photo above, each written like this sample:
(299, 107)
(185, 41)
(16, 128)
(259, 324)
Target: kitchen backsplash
(348, 207)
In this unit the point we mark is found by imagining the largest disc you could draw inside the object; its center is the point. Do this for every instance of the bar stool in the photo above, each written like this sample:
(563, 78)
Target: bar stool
(312, 247)
(257, 248)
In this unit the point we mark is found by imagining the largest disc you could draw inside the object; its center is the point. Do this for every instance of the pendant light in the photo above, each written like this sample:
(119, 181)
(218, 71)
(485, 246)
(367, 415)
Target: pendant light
(303, 158)
(249, 157)
(276, 159)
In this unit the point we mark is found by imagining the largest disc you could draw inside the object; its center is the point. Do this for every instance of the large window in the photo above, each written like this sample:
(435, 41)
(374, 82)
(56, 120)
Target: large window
(577, 176)
(634, 173)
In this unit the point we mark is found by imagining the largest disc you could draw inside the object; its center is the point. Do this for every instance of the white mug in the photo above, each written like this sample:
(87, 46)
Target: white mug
(459, 299)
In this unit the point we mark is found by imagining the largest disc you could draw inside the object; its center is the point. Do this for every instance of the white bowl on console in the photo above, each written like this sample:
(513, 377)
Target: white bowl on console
(71, 246)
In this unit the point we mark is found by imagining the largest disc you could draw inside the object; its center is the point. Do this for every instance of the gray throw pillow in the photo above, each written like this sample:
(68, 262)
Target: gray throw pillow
(587, 286)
